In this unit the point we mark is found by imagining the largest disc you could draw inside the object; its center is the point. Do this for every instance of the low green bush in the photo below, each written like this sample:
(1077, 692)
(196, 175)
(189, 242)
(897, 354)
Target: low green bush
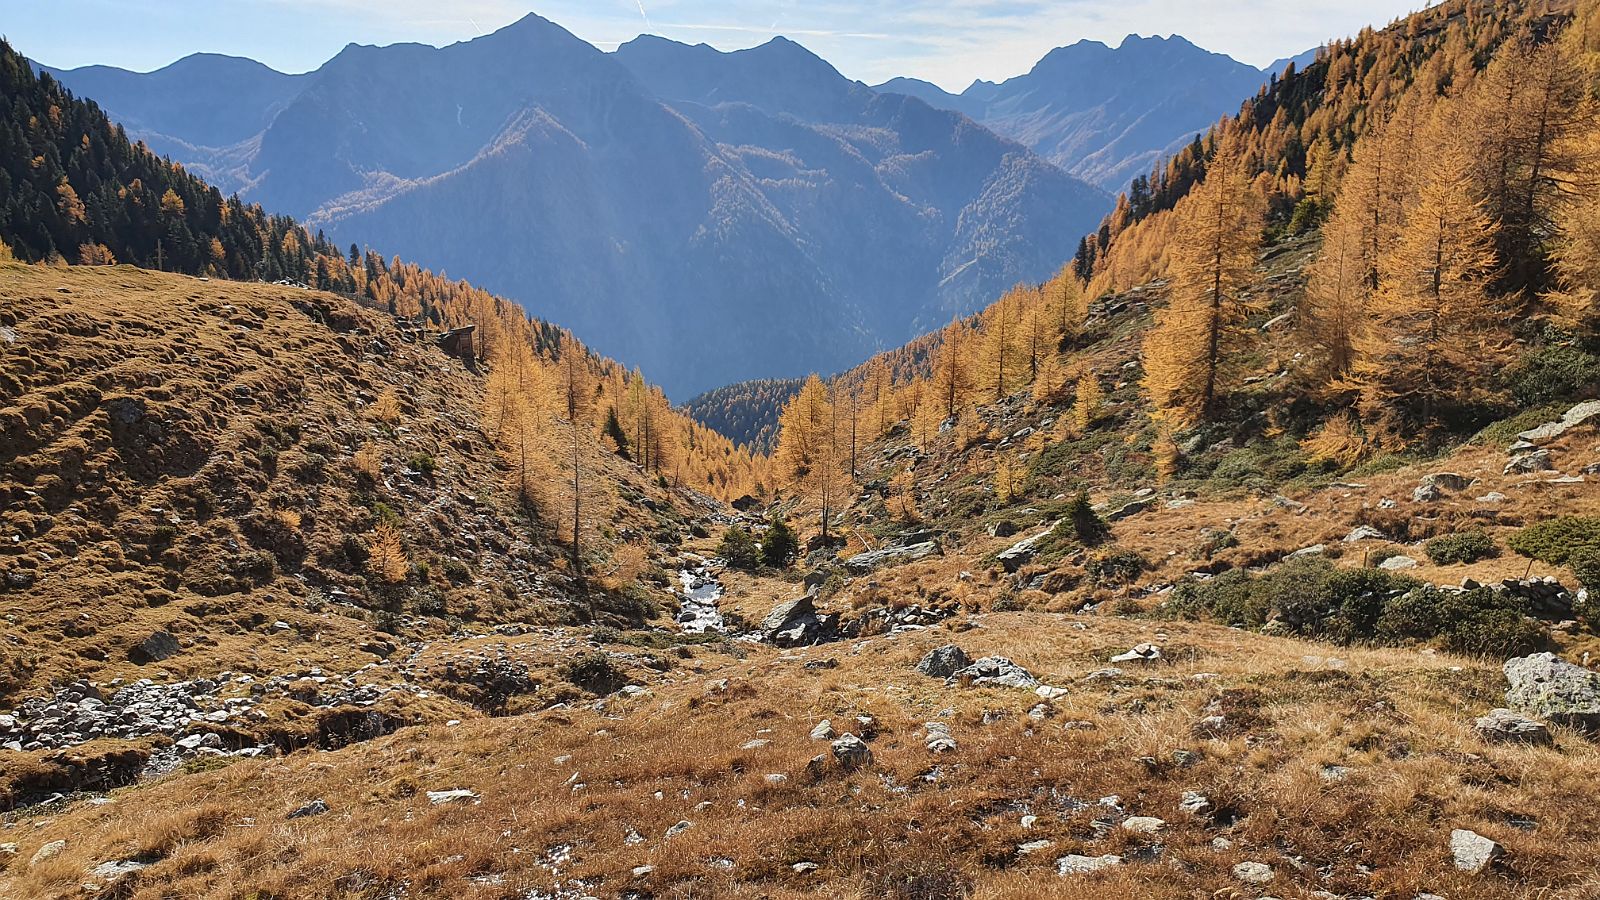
(780, 545)
(1313, 598)
(1555, 541)
(1585, 564)
(1115, 567)
(1465, 547)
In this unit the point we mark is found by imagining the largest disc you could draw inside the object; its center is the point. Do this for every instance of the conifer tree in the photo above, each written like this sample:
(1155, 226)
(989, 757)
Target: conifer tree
(1087, 402)
(1214, 255)
(809, 452)
(1000, 365)
(1433, 313)
(950, 375)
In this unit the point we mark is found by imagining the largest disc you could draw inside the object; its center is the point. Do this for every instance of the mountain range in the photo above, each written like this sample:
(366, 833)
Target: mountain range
(1104, 114)
(709, 216)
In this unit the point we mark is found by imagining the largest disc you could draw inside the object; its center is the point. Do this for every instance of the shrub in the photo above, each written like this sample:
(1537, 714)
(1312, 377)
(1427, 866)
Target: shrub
(594, 672)
(457, 571)
(1555, 541)
(1560, 372)
(1585, 564)
(1466, 547)
(1480, 622)
(423, 463)
(1115, 567)
(779, 546)
(1308, 597)
(739, 550)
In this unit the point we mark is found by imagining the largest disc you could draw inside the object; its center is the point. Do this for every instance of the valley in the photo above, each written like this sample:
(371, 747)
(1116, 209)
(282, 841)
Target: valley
(1243, 546)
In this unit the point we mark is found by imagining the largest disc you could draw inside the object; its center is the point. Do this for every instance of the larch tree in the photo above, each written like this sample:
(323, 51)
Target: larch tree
(1214, 257)
(1000, 356)
(1433, 311)
(1337, 289)
(577, 406)
(808, 453)
(950, 375)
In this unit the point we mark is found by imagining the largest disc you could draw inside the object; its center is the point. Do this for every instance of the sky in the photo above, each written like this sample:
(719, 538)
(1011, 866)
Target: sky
(948, 42)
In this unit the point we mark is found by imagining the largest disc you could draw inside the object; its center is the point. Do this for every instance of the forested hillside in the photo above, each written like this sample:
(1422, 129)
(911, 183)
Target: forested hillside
(747, 412)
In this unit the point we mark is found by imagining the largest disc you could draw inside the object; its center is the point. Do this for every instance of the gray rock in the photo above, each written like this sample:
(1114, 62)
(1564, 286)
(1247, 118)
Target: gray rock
(939, 739)
(1492, 497)
(1032, 847)
(1505, 726)
(1425, 493)
(1554, 690)
(1253, 872)
(995, 671)
(1364, 533)
(314, 808)
(682, 826)
(1130, 509)
(792, 624)
(942, 662)
(1573, 417)
(1397, 563)
(1022, 552)
(1074, 864)
(155, 648)
(48, 851)
(1143, 824)
(1472, 852)
(851, 752)
(1195, 803)
(1537, 461)
(1145, 653)
(1449, 481)
(116, 869)
(824, 731)
(455, 795)
(1304, 552)
(863, 563)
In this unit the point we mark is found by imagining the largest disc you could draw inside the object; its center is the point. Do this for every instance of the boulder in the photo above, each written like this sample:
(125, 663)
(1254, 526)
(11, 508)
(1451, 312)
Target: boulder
(942, 662)
(1022, 552)
(1556, 691)
(1573, 417)
(1305, 552)
(851, 752)
(1146, 653)
(155, 648)
(1505, 726)
(824, 731)
(995, 671)
(1425, 493)
(1130, 509)
(1251, 872)
(1449, 481)
(864, 563)
(1143, 824)
(793, 623)
(1074, 864)
(1537, 461)
(1397, 563)
(47, 851)
(1472, 852)
(455, 795)
(1364, 533)
(939, 739)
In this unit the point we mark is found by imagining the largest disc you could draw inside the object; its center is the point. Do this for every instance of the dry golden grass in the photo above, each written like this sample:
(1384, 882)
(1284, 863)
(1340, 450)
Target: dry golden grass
(586, 780)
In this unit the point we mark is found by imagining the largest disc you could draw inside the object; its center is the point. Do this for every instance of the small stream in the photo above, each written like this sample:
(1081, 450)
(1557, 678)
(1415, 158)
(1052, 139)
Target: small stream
(701, 591)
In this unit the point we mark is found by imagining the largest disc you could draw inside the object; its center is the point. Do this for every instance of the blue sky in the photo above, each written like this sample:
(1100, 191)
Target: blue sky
(949, 42)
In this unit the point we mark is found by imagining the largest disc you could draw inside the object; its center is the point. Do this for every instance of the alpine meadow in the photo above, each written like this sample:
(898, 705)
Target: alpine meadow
(549, 465)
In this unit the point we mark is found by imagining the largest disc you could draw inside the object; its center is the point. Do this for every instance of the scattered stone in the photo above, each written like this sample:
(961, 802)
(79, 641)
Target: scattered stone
(865, 563)
(1364, 533)
(995, 671)
(682, 826)
(1505, 726)
(1426, 493)
(1472, 852)
(48, 851)
(1195, 803)
(851, 752)
(1146, 653)
(942, 662)
(777, 778)
(939, 738)
(115, 870)
(1335, 774)
(1537, 461)
(155, 648)
(1449, 481)
(824, 731)
(793, 623)
(1143, 824)
(314, 808)
(1492, 497)
(756, 744)
(1556, 691)
(1022, 552)
(1034, 847)
(642, 871)
(805, 867)
(1304, 552)
(1253, 872)
(1074, 864)
(1573, 417)
(456, 795)
(1398, 563)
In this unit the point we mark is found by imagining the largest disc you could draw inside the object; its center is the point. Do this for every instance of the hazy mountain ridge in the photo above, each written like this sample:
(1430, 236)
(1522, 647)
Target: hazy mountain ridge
(1104, 114)
(757, 206)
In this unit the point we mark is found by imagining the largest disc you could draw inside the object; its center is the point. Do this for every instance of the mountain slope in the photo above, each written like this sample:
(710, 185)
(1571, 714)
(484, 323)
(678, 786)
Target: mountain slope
(1103, 114)
(707, 216)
